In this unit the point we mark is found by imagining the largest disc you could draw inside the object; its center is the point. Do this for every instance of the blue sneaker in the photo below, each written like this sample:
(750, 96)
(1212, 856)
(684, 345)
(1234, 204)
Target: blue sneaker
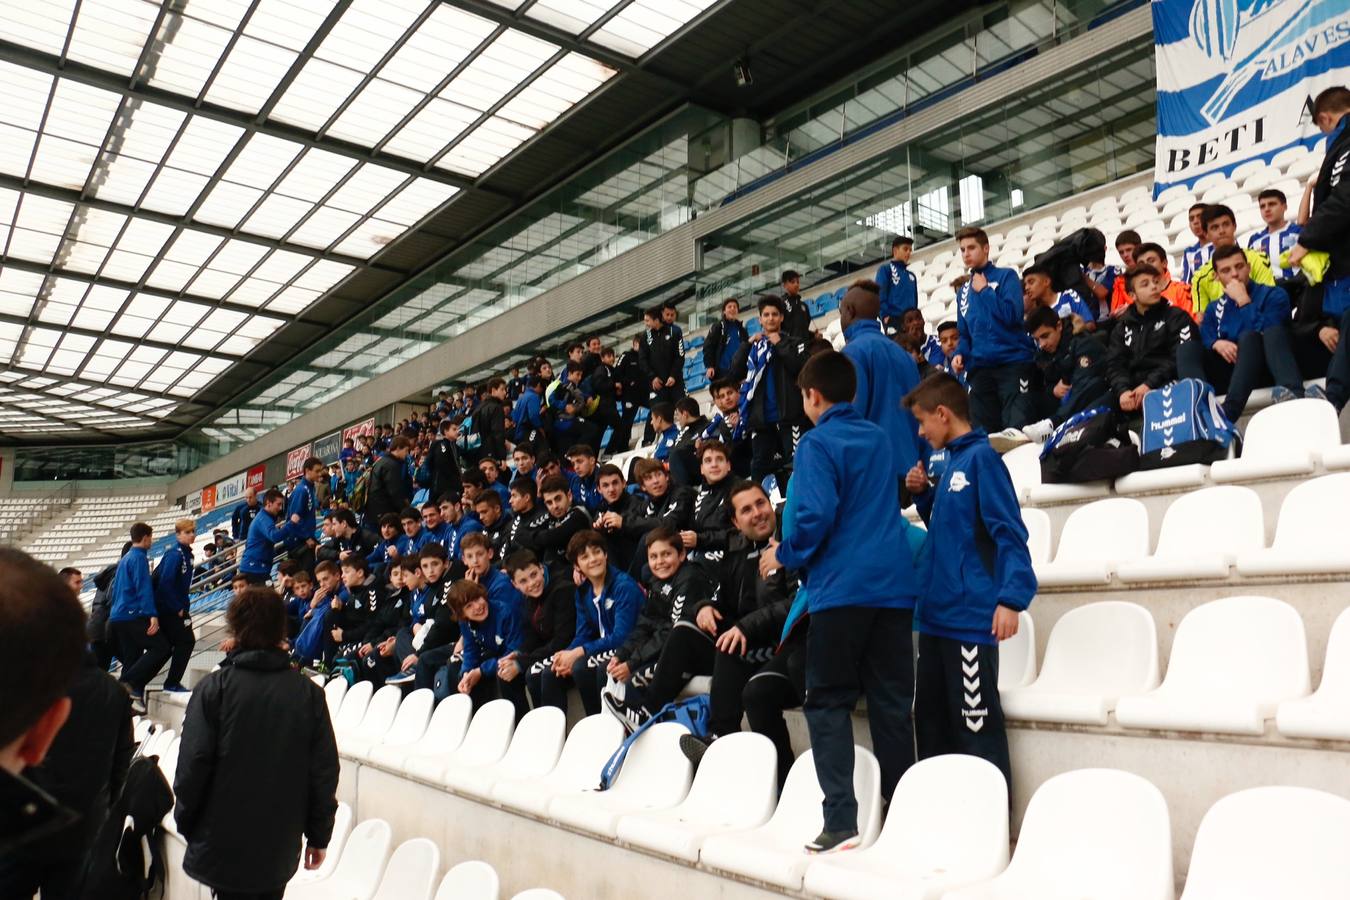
(1281, 394)
(176, 689)
(401, 678)
(1315, 392)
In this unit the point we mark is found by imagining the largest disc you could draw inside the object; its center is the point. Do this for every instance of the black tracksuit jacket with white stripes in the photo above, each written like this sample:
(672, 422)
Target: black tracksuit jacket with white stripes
(669, 601)
(757, 606)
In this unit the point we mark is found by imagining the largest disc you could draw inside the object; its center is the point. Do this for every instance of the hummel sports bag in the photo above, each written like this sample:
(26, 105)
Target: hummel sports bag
(1184, 424)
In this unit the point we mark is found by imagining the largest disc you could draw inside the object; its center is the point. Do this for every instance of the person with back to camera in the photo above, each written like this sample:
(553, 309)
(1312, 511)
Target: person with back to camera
(258, 765)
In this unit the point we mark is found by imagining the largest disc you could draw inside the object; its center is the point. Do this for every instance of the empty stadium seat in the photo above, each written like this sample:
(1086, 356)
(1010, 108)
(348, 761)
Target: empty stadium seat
(353, 709)
(358, 872)
(1097, 538)
(1233, 661)
(1202, 534)
(1038, 534)
(1098, 833)
(412, 871)
(342, 826)
(334, 691)
(445, 732)
(484, 743)
(655, 775)
(948, 828)
(380, 713)
(736, 787)
(1166, 479)
(1309, 536)
(1096, 653)
(1272, 842)
(1336, 457)
(472, 880)
(407, 728)
(1285, 439)
(1017, 654)
(534, 750)
(774, 852)
(538, 894)
(1326, 713)
(591, 742)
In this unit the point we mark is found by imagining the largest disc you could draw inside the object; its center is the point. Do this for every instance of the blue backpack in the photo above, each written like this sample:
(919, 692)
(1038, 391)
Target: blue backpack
(309, 642)
(1184, 424)
(694, 713)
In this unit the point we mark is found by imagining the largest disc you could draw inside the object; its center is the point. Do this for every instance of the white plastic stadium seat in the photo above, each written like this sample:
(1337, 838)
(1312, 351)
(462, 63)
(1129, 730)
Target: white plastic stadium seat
(353, 709)
(1096, 539)
(375, 724)
(1309, 536)
(1286, 439)
(1098, 833)
(534, 751)
(342, 826)
(412, 871)
(774, 851)
(358, 871)
(1017, 655)
(408, 726)
(484, 743)
(539, 894)
(591, 742)
(1096, 653)
(1337, 457)
(655, 775)
(1272, 842)
(1202, 534)
(1326, 713)
(444, 733)
(1038, 534)
(472, 880)
(950, 829)
(1166, 479)
(736, 787)
(1024, 464)
(1233, 662)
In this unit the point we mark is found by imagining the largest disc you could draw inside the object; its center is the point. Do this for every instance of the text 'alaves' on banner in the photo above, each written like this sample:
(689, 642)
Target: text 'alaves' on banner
(1236, 80)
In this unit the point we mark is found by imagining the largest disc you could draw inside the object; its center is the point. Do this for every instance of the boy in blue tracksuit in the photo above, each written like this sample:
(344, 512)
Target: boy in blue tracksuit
(861, 590)
(264, 534)
(978, 577)
(173, 581)
(994, 349)
(133, 620)
(488, 632)
(899, 287)
(302, 509)
(415, 537)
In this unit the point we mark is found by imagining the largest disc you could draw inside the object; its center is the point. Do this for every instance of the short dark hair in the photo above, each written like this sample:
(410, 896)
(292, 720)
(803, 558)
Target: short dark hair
(475, 539)
(1225, 252)
(664, 410)
(462, 593)
(356, 561)
(524, 486)
(69, 571)
(402, 442)
(391, 519)
(1035, 269)
(447, 424)
(583, 539)
(256, 619)
(790, 275)
(327, 567)
(521, 559)
(1128, 236)
(831, 373)
(473, 477)
(722, 384)
(408, 563)
(140, 531)
(1274, 194)
(713, 447)
(579, 450)
(41, 617)
(609, 470)
(664, 535)
(1042, 317)
(970, 231)
(491, 498)
(1214, 212)
(494, 383)
(646, 466)
(901, 240)
(948, 326)
(1150, 247)
(1135, 272)
(431, 504)
(313, 463)
(434, 550)
(1331, 100)
(1194, 206)
(731, 300)
(740, 487)
(769, 300)
(410, 512)
(272, 496)
(687, 405)
(940, 389)
(555, 484)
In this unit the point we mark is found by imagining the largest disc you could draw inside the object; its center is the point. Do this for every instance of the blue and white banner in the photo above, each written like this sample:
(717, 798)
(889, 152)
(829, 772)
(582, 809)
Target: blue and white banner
(1236, 79)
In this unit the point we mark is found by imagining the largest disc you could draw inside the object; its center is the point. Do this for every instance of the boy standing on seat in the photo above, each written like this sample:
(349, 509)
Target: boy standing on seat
(979, 577)
(861, 595)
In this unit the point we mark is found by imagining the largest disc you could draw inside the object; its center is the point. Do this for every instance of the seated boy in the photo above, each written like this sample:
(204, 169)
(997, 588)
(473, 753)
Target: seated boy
(488, 510)
(478, 567)
(585, 492)
(1147, 341)
(978, 577)
(563, 523)
(1221, 229)
(608, 603)
(415, 537)
(1072, 368)
(948, 337)
(429, 641)
(548, 623)
(526, 516)
(726, 425)
(708, 522)
(489, 633)
(1037, 291)
(386, 551)
(354, 610)
(378, 660)
(616, 500)
(662, 422)
(674, 594)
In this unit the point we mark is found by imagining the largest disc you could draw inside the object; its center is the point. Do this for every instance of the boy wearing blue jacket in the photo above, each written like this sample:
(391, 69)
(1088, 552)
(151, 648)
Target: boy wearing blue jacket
(264, 534)
(899, 287)
(1246, 336)
(994, 349)
(488, 633)
(978, 575)
(173, 581)
(860, 590)
(300, 509)
(133, 620)
(608, 604)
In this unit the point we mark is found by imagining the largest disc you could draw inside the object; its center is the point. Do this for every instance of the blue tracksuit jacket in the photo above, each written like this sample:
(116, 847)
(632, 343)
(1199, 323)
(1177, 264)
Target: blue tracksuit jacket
(886, 374)
(263, 535)
(899, 289)
(410, 546)
(486, 642)
(976, 557)
(990, 321)
(455, 531)
(301, 504)
(502, 592)
(1225, 320)
(173, 580)
(605, 621)
(133, 597)
(847, 528)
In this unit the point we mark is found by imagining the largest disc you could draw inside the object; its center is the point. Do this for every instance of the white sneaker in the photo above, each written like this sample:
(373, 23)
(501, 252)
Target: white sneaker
(1039, 431)
(1007, 439)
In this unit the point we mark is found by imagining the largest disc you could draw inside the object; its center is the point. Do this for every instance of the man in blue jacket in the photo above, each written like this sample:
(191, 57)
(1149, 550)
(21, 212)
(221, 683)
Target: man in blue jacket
(994, 349)
(861, 590)
(1245, 335)
(133, 619)
(263, 536)
(243, 514)
(899, 287)
(885, 375)
(301, 509)
(978, 577)
(172, 580)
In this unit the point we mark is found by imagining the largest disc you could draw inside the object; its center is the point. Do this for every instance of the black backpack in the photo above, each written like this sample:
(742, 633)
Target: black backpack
(1066, 257)
(126, 861)
(1092, 445)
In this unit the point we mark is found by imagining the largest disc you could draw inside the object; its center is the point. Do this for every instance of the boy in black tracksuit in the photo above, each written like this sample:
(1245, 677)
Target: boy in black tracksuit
(1147, 341)
(724, 338)
(392, 615)
(796, 315)
(767, 367)
(1073, 370)
(352, 611)
(661, 359)
(979, 577)
(676, 590)
(526, 517)
(548, 621)
(667, 505)
(616, 499)
(563, 521)
(708, 524)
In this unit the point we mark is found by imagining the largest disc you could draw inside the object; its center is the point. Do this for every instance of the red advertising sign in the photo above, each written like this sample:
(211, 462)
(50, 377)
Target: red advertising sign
(255, 477)
(360, 428)
(295, 461)
(208, 498)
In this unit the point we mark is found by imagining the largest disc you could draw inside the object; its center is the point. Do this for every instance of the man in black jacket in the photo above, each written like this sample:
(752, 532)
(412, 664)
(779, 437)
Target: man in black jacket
(633, 390)
(490, 421)
(724, 338)
(1149, 342)
(661, 358)
(243, 514)
(388, 492)
(600, 383)
(1328, 230)
(770, 363)
(796, 317)
(443, 459)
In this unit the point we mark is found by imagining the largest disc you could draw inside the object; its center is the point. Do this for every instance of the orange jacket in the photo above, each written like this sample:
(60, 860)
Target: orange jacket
(1178, 293)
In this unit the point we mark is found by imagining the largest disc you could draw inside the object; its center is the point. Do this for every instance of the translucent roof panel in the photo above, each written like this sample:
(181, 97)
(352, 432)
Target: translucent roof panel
(631, 28)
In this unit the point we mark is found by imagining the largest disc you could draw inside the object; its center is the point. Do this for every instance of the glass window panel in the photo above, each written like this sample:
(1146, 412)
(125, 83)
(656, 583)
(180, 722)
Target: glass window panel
(109, 34)
(316, 94)
(186, 61)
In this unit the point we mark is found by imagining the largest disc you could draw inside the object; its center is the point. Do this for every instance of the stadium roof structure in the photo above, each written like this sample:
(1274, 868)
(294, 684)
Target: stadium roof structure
(192, 191)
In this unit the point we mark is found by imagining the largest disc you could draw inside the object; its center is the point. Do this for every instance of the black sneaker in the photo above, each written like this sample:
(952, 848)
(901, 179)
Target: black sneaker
(137, 703)
(630, 719)
(693, 747)
(833, 842)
